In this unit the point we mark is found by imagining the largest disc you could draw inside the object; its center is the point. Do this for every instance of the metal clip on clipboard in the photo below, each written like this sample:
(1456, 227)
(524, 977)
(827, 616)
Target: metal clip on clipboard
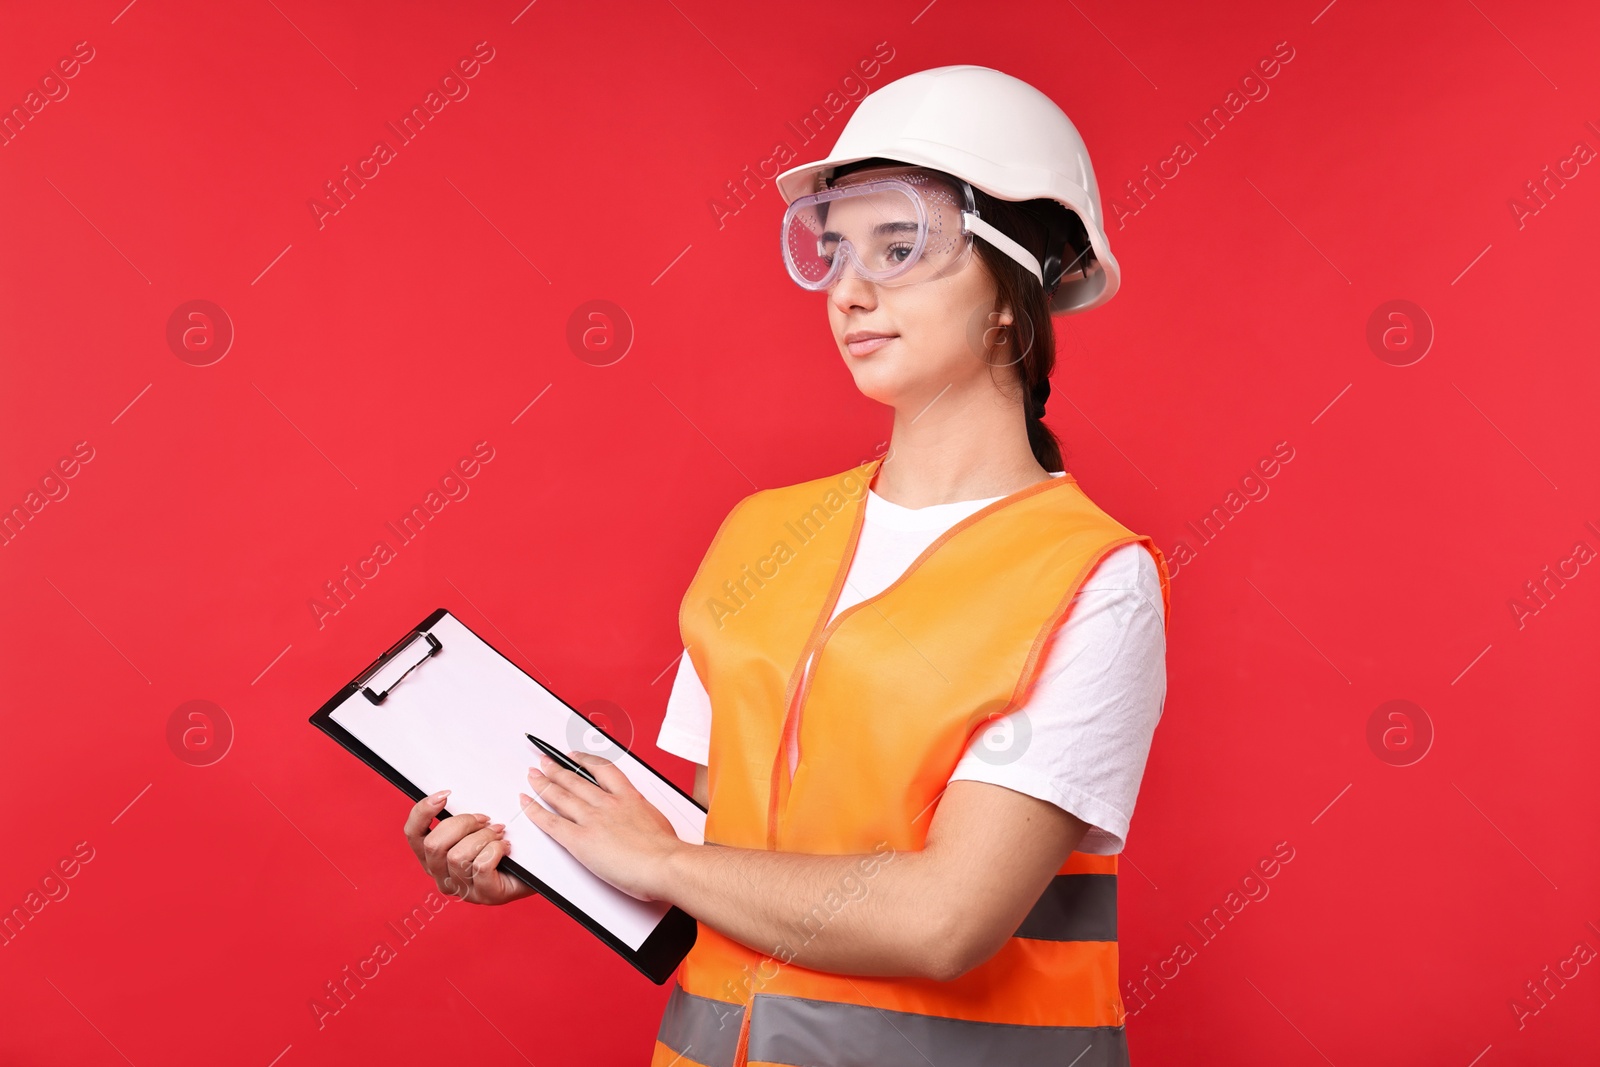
(432, 649)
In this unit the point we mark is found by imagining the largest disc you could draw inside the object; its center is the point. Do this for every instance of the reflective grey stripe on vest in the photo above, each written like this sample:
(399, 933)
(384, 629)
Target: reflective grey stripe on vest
(794, 1030)
(703, 1029)
(1074, 907)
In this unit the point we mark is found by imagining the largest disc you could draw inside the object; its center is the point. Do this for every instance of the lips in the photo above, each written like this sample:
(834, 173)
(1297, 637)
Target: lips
(862, 342)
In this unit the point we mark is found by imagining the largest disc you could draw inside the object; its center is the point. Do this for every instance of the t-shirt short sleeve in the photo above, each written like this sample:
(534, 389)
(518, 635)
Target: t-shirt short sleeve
(1081, 740)
(686, 729)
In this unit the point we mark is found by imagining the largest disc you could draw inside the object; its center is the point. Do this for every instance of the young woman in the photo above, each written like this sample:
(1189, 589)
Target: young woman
(919, 693)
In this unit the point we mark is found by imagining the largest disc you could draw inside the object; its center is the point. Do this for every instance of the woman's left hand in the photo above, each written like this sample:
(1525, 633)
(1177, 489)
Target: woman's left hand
(610, 828)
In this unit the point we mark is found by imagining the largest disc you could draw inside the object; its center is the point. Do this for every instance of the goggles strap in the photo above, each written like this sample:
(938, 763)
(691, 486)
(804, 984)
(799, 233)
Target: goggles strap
(976, 225)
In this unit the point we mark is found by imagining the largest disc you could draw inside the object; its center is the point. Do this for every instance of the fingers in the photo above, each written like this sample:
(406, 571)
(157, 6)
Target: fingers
(567, 792)
(422, 813)
(442, 839)
(549, 821)
(609, 774)
(574, 784)
(482, 868)
(463, 852)
(463, 860)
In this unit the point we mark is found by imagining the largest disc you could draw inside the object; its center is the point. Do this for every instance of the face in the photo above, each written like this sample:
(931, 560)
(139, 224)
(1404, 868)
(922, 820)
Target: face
(933, 346)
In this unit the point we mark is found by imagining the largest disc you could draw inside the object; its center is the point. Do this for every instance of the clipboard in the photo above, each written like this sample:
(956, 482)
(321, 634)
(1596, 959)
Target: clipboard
(444, 709)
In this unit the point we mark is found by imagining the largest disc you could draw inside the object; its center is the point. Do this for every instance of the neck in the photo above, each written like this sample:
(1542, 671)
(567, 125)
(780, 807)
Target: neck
(959, 447)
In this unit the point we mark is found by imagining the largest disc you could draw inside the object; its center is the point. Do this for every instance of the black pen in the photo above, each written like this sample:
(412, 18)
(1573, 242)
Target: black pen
(563, 759)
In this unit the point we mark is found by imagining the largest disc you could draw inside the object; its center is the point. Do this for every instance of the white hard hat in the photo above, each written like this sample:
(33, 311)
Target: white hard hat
(997, 132)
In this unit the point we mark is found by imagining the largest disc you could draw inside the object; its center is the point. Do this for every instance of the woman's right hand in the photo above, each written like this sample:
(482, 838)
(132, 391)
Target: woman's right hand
(462, 852)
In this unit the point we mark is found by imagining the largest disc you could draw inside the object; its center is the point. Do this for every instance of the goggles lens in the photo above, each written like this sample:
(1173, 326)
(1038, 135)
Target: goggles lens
(900, 230)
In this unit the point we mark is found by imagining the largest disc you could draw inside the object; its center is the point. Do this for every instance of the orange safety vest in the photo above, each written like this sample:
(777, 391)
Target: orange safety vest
(899, 686)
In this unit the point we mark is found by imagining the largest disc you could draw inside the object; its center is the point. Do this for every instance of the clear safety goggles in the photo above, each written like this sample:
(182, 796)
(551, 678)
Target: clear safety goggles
(898, 230)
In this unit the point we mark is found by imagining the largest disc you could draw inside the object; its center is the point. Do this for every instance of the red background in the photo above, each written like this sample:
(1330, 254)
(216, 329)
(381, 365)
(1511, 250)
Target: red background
(372, 352)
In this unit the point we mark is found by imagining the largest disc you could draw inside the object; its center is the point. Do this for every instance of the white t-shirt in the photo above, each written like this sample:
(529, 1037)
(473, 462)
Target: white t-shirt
(1081, 740)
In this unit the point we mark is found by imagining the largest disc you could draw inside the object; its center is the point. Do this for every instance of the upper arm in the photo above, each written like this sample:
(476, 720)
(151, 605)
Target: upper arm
(702, 794)
(1005, 826)
(991, 853)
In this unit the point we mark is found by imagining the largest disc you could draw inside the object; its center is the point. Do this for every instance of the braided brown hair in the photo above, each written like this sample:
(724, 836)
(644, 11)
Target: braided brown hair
(1046, 229)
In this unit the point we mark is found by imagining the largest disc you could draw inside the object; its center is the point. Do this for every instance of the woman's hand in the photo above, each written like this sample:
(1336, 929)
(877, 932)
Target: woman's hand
(610, 828)
(461, 853)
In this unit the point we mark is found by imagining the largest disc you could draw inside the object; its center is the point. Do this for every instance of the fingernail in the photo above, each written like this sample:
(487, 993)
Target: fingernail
(497, 827)
(440, 795)
(483, 818)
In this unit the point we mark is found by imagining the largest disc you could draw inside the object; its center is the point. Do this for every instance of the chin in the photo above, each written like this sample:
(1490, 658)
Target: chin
(884, 388)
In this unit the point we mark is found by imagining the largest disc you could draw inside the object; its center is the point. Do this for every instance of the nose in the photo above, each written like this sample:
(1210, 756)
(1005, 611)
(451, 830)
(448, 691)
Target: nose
(849, 289)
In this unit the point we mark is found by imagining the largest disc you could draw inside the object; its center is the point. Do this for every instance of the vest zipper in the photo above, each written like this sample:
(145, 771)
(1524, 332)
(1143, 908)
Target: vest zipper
(791, 713)
(741, 1050)
(791, 722)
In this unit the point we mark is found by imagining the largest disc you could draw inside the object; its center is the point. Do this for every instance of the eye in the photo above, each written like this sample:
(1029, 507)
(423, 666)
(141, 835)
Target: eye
(899, 252)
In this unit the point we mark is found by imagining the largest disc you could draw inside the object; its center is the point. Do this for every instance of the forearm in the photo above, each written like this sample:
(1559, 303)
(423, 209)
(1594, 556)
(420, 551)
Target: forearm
(869, 913)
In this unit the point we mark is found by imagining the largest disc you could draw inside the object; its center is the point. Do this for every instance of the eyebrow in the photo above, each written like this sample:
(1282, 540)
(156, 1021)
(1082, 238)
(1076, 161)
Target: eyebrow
(882, 228)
